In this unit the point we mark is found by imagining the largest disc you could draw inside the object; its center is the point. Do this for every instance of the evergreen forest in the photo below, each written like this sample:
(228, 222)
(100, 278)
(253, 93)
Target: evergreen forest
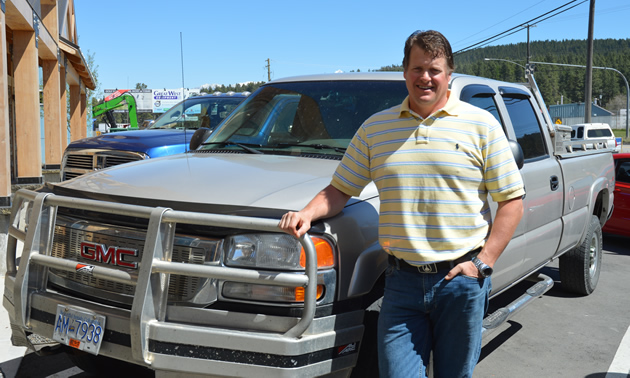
(557, 83)
(246, 87)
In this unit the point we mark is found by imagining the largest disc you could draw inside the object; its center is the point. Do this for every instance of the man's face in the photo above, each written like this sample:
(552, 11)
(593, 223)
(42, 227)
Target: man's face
(427, 82)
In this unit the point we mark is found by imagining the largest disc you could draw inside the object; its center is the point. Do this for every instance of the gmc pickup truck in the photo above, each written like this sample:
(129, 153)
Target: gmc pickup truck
(176, 264)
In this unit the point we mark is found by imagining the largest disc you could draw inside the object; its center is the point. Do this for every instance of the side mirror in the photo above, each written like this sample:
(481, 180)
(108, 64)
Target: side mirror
(200, 135)
(517, 151)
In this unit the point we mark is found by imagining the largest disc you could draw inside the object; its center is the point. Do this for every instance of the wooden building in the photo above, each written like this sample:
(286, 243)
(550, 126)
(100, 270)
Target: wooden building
(39, 36)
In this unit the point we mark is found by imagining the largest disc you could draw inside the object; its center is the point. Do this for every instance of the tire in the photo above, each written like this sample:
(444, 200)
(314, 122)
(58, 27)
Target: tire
(580, 267)
(102, 366)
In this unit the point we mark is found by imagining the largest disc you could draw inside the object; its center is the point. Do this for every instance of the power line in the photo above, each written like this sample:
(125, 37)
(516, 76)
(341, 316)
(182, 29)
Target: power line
(500, 22)
(518, 28)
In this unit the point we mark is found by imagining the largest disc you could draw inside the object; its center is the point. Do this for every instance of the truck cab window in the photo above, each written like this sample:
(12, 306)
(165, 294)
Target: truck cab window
(482, 96)
(526, 126)
(486, 103)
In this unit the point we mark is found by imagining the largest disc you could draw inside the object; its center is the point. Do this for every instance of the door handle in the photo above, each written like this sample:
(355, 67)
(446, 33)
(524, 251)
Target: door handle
(554, 183)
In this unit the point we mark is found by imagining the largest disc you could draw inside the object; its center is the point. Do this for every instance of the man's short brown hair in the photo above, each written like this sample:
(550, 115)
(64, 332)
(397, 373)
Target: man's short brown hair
(431, 41)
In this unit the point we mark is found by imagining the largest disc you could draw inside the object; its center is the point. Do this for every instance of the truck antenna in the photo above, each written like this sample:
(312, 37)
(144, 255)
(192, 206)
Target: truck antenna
(181, 47)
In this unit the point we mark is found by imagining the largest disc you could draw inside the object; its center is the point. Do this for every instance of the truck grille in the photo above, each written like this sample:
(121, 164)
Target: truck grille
(80, 162)
(77, 163)
(67, 240)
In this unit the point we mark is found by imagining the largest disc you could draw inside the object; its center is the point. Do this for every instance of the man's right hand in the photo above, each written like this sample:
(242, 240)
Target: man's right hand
(295, 223)
(326, 203)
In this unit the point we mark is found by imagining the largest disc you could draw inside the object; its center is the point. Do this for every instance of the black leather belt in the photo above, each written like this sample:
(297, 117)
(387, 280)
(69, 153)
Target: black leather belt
(433, 267)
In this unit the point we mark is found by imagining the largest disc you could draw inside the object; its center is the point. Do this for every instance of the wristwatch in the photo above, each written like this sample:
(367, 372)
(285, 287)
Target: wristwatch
(484, 269)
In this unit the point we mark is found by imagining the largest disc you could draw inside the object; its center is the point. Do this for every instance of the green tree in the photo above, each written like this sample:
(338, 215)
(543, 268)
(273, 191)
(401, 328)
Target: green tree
(90, 93)
(246, 87)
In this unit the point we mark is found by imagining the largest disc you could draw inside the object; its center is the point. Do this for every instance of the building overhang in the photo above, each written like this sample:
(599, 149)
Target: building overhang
(19, 16)
(76, 58)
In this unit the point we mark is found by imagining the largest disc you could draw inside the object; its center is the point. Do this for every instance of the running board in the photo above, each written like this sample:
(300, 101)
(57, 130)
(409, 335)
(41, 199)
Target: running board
(500, 316)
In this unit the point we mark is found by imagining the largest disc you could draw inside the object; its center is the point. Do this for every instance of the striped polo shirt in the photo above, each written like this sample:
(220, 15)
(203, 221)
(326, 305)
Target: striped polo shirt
(433, 176)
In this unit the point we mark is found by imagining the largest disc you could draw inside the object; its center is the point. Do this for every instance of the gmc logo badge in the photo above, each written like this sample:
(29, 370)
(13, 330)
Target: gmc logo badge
(108, 255)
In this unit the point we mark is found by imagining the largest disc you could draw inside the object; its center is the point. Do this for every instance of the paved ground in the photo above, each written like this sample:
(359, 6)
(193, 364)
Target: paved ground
(10, 356)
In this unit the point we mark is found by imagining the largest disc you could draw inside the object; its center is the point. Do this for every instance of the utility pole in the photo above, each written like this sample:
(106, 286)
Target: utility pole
(588, 87)
(528, 54)
(268, 69)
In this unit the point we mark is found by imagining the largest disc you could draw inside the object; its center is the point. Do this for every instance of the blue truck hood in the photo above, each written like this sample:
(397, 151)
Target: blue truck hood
(154, 143)
(237, 180)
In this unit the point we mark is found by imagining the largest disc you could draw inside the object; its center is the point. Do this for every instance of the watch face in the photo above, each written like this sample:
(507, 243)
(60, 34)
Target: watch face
(486, 272)
(484, 269)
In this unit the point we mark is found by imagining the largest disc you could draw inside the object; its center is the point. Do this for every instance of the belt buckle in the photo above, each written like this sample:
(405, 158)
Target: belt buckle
(428, 268)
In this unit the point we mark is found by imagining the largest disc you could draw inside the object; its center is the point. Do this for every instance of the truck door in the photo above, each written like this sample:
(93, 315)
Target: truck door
(510, 263)
(541, 224)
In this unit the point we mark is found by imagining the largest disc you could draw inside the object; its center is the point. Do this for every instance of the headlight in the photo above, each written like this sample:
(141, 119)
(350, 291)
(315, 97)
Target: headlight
(267, 293)
(275, 251)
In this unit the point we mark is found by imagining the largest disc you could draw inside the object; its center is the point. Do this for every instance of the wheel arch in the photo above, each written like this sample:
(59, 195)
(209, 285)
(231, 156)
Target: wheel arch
(601, 204)
(368, 270)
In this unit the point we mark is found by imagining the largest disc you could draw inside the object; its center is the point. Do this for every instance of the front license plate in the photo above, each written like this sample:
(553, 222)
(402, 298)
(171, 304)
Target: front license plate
(78, 328)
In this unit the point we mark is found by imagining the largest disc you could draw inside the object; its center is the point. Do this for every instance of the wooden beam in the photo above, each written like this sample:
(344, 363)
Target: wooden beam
(47, 44)
(26, 84)
(75, 112)
(5, 126)
(63, 106)
(19, 15)
(52, 117)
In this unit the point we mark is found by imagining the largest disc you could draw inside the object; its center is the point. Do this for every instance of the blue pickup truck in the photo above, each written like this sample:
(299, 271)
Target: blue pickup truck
(170, 134)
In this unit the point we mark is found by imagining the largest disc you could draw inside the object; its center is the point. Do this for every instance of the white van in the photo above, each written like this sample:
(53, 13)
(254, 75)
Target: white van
(599, 134)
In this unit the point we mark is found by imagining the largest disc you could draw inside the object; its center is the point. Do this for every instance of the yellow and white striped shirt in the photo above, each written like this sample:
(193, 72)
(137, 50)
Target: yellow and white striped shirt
(433, 176)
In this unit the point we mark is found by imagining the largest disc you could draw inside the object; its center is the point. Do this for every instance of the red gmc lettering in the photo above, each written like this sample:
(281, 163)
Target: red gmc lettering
(108, 255)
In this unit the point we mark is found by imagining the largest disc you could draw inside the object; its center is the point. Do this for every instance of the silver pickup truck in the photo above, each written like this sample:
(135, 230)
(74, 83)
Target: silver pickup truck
(176, 264)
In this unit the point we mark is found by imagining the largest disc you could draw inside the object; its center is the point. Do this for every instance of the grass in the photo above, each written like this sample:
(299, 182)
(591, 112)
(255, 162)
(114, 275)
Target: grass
(621, 133)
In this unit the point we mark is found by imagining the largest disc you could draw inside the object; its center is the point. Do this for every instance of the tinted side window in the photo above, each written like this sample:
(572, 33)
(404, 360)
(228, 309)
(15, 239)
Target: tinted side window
(580, 133)
(486, 103)
(526, 126)
(599, 133)
(623, 172)
(482, 96)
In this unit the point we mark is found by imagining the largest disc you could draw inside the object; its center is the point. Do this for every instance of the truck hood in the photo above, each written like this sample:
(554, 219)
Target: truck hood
(232, 180)
(137, 140)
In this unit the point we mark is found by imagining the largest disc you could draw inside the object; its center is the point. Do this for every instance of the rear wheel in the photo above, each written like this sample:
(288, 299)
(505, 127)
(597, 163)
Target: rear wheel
(580, 267)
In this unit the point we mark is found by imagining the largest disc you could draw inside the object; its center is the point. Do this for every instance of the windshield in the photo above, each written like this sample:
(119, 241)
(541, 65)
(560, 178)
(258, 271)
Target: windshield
(305, 117)
(196, 112)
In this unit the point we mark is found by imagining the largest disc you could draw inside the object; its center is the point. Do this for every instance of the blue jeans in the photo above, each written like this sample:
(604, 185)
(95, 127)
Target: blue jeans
(422, 313)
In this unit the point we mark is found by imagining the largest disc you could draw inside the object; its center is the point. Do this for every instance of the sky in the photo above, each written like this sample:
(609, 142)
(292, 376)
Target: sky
(192, 43)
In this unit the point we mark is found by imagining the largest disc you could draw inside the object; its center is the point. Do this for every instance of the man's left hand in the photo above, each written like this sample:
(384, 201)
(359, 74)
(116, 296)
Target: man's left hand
(467, 268)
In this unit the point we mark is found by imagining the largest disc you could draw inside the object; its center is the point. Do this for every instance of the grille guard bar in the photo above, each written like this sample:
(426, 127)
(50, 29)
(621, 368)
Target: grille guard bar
(149, 303)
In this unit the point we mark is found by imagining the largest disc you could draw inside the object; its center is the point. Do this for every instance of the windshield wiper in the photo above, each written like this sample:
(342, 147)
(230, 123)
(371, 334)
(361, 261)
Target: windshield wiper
(244, 146)
(318, 146)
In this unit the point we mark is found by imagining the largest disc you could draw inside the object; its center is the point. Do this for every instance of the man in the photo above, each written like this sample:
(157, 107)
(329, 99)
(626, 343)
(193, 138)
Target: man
(434, 160)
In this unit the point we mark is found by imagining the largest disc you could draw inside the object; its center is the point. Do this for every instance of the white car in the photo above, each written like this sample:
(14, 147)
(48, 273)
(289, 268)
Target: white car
(599, 134)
